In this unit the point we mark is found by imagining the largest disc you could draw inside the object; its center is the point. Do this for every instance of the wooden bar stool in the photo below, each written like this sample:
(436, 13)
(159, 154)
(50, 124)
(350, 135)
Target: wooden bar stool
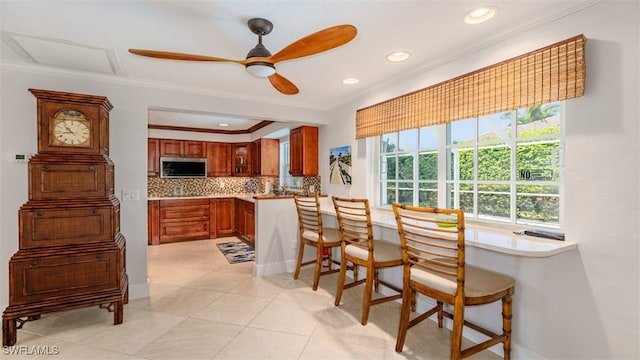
(433, 251)
(360, 248)
(312, 233)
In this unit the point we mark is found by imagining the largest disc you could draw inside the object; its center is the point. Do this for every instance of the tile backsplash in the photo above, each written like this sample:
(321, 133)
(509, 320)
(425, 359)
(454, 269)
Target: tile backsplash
(162, 187)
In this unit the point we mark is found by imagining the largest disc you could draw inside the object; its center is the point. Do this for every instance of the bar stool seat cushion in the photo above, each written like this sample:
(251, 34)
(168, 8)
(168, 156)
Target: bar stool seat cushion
(330, 235)
(478, 281)
(382, 251)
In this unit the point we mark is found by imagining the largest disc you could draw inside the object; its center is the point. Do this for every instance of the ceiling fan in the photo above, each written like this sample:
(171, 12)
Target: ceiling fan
(259, 61)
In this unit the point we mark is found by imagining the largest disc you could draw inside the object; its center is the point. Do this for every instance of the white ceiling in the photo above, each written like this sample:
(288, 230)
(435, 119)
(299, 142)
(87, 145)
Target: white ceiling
(93, 37)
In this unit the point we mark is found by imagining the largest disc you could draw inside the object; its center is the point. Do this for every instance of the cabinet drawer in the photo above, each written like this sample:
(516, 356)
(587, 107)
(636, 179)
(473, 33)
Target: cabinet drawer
(38, 279)
(72, 181)
(184, 210)
(56, 227)
(177, 231)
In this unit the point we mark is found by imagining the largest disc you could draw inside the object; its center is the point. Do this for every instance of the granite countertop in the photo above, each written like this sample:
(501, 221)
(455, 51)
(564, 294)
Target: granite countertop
(242, 196)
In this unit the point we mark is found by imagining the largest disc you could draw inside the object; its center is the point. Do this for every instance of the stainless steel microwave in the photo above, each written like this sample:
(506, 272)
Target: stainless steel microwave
(183, 167)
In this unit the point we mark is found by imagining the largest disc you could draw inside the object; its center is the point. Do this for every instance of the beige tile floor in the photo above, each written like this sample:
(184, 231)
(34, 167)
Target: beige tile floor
(202, 307)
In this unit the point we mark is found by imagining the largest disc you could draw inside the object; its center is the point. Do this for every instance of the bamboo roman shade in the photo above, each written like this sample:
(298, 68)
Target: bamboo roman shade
(553, 73)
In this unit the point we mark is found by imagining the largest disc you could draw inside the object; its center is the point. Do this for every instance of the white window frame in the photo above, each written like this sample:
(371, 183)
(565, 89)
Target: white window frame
(375, 183)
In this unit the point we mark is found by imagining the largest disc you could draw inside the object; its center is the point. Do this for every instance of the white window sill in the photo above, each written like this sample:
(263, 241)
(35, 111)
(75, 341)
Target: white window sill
(485, 237)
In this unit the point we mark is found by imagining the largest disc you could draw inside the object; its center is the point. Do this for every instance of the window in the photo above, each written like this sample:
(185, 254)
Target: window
(503, 167)
(293, 182)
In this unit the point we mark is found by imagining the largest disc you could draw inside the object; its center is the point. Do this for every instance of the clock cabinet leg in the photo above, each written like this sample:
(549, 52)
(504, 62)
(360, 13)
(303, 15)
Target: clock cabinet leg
(8, 331)
(118, 313)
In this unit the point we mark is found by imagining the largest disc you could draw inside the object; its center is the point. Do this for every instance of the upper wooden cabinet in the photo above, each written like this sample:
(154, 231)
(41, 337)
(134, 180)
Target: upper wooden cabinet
(303, 151)
(153, 157)
(265, 157)
(182, 148)
(218, 159)
(241, 159)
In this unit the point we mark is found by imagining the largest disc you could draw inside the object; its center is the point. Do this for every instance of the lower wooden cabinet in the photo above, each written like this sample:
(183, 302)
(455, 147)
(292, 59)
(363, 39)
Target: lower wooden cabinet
(245, 221)
(225, 216)
(153, 222)
(183, 220)
(198, 219)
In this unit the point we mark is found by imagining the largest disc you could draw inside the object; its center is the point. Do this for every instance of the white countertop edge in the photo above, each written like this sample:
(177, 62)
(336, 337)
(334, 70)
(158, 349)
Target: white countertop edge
(484, 237)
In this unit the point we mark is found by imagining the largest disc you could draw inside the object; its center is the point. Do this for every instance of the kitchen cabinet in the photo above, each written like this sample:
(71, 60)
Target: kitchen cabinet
(241, 159)
(153, 222)
(186, 219)
(250, 223)
(265, 157)
(182, 148)
(245, 221)
(153, 157)
(303, 151)
(218, 159)
(225, 216)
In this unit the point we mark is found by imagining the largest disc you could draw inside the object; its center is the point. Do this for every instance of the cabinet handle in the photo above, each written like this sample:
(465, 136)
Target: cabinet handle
(98, 256)
(39, 213)
(34, 263)
(90, 167)
(94, 211)
(45, 167)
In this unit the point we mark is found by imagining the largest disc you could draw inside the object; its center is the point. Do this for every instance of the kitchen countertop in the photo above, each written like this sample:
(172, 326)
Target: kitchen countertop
(246, 197)
(241, 196)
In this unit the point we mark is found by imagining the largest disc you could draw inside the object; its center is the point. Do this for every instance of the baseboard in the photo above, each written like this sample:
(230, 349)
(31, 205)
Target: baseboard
(138, 291)
(274, 268)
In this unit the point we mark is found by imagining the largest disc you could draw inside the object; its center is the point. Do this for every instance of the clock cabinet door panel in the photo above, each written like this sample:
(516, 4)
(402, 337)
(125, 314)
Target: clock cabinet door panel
(59, 227)
(70, 181)
(48, 111)
(40, 278)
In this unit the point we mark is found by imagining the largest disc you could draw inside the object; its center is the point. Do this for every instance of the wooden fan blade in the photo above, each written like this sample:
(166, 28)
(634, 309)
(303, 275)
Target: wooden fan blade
(283, 85)
(317, 42)
(178, 56)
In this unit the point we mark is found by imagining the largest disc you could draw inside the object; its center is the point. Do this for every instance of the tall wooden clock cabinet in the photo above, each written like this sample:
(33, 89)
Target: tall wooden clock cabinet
(71, 252)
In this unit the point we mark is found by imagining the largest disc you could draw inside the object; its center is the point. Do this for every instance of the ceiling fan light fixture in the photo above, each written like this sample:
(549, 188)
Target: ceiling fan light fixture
(261, 69)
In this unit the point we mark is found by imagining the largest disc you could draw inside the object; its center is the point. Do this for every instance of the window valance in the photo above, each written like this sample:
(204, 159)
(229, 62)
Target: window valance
(553, 73)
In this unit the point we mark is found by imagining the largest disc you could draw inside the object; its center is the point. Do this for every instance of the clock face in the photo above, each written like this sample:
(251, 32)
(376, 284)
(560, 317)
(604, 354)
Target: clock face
(71, 128)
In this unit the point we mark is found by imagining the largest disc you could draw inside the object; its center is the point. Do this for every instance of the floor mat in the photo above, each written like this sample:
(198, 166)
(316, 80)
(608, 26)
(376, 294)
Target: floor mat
(237, 252)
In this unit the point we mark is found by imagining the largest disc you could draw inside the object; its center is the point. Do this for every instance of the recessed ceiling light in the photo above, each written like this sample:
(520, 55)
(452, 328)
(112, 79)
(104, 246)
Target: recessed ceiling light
(398, 56)
(223, 125)
(480, 15)
(350, 81)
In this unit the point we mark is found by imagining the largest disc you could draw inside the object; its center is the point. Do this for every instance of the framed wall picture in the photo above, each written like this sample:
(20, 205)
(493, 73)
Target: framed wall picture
(340, 165)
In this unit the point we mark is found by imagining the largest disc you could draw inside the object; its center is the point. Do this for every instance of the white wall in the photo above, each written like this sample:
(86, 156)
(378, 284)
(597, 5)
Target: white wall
(582, 304)
(578, 305)
(128, 135)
